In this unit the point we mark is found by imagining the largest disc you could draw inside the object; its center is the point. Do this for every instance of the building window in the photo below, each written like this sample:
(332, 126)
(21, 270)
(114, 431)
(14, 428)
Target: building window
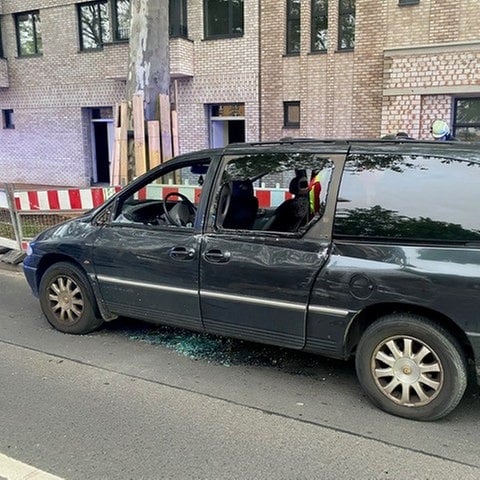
(103, 22)
(291, 114)
(466, 124)
(8, 119)
(29, 33)
(178, 18)
(319, 25)
(223, 18)
(346, 25)
(293, 26)
(408, 2)
(121, 20)
(1, 44)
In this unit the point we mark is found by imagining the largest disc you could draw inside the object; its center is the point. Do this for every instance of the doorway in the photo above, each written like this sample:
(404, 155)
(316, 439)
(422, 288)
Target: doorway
(227, 124)
(102, 150)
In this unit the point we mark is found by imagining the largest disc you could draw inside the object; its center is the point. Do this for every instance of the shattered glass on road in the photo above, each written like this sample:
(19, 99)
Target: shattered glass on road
(222, 350)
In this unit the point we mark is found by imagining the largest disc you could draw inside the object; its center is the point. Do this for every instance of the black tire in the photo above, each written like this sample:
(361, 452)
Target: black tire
(67, 299)
(411, 367)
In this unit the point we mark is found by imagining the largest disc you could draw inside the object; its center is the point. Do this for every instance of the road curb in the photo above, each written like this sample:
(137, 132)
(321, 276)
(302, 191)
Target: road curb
(11, 259)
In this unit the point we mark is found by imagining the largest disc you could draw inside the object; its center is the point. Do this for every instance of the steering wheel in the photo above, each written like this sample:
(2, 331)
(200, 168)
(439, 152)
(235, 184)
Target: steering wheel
(179, 220)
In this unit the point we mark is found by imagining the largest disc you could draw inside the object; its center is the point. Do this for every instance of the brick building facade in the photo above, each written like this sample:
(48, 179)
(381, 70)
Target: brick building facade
(412, 62)
(314, 68)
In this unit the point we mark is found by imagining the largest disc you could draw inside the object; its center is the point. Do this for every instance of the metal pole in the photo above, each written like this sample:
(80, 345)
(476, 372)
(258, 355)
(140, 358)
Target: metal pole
(17, 228)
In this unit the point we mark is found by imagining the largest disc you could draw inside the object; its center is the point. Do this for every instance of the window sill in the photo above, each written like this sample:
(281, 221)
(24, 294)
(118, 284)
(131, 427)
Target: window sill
(116, 42)
(185, 39)
(345, 50)
(292, 54)
(318, 52)
(90, 50)
(33, 55)
(291, 127)
(222, 37)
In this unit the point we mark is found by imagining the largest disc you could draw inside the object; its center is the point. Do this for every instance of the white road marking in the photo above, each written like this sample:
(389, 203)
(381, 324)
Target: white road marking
(11, 469)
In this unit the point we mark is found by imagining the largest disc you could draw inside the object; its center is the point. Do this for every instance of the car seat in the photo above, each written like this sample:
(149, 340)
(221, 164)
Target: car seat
(292, 213)
(242, 208)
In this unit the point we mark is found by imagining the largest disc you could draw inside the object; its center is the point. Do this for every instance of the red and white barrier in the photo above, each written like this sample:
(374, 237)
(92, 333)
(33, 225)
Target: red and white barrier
(267, 197)
(78, 200)
(60, 200)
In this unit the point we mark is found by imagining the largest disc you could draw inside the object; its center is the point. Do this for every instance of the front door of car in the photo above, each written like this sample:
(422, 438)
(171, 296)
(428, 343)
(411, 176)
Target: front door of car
(258, 259)
(146, 262)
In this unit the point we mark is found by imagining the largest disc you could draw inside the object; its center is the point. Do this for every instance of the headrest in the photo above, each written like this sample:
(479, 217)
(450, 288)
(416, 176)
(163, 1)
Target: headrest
(298, 186)
(242, 188)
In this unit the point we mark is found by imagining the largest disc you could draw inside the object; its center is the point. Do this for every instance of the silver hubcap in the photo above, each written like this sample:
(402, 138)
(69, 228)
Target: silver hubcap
(66, 300)
(407, 371)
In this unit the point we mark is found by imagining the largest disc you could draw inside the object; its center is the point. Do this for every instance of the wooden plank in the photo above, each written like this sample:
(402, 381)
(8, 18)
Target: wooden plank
(139, 134)
(165, 127)
(154, 149)
(115, 178)
(123, 135)
(174, 114)
(175, 146)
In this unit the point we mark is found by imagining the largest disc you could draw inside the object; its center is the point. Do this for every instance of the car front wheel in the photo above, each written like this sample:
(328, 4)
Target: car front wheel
(411, 367)
(67, 299)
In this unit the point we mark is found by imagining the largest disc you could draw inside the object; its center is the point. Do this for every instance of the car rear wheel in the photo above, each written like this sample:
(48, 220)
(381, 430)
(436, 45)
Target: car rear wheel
(411, 367)
(67, 299)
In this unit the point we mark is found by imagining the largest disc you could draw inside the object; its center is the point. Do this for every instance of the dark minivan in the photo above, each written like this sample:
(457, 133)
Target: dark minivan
(342, 248)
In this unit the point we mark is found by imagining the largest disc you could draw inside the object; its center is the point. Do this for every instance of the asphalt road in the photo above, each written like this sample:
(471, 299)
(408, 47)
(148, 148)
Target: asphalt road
(139, 402)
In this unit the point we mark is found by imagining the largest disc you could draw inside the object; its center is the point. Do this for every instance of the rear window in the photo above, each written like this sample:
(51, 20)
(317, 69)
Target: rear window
(416, 198)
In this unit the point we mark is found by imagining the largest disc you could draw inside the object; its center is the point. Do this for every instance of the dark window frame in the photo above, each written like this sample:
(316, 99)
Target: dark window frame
(459, 125)
(344, 13)
(408, 2)
(80, 6)
(113, 24)
(318, 15)
(8, 122)
(116, 35)
(230, 30)
(1, 42)
(178, 19)
(34, 17)
(287, 122)
(292, 21)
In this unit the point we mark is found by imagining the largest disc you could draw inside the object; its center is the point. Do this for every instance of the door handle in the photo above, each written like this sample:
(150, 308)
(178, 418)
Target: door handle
(217, 256)
(181, 253)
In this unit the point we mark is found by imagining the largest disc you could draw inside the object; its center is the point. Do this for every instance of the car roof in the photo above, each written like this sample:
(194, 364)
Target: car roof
(453, 149)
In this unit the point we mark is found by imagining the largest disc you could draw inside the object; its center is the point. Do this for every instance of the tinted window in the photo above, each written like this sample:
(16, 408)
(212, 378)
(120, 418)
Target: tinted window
(408, 197)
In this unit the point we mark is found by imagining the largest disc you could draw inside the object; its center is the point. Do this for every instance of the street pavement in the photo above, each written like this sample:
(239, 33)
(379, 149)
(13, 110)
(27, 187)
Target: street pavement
(123, 403)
